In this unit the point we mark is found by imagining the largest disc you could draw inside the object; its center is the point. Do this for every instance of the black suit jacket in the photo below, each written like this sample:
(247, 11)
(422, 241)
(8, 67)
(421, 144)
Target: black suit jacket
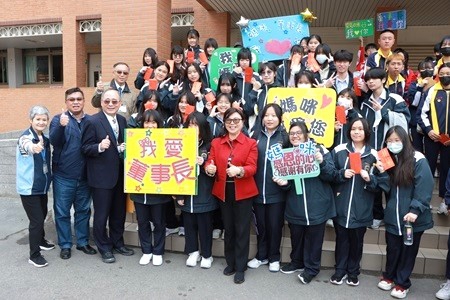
(104, 169)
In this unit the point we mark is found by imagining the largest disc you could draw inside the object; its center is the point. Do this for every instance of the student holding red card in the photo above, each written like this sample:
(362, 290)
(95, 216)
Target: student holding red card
(149, 60)
(354, 196)
(193, 83)
(348, 103)
(409, 193)
(205, 57)
(177, 55)
(435, 122)
(244, 58)
(287, 70)
(185, 105)
(150, 101)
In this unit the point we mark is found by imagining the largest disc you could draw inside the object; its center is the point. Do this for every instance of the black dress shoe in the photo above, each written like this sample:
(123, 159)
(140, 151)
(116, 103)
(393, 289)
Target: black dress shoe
(108, 257)
(228, 271)
(239, 277)
(87, 249)
(124, 251)
(65, 253)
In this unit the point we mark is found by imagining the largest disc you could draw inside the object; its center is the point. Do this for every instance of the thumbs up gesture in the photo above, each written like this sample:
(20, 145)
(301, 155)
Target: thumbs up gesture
(233, 171)
(64, 119)
(100, 85)
(211, 169)
(105, 143)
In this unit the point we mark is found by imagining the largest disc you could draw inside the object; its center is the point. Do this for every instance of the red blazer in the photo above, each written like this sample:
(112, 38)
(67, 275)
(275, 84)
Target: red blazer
(243, 152)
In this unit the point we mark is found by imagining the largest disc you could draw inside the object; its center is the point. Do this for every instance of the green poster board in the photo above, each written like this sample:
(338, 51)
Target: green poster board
(355, 29)
(225, 60)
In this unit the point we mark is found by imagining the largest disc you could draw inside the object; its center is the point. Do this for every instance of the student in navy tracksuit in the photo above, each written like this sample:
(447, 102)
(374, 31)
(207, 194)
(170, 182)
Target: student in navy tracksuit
(409, 192)
(354, 195)
(198, 209)
(149, 60)
(151, 208)
(382, 110)
(349, 101)
(444, 291)
(33, 178)
(287, 70)
(269, 205)
(210, 46)
(307, 213)
(244, 58)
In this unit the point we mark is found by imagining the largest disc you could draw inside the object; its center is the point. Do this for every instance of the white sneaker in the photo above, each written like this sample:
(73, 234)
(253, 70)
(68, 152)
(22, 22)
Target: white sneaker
(216, 234)
(170, 231)
(254, 263)
(274, 266)
(206, 262)
(223, 234)
(444, 292)
(181, 231)
(329, 223)
(157, 260)
(398, 292)
(377, 223)
(145, 259)
(386, 284)
(442, 209)
(193, 258)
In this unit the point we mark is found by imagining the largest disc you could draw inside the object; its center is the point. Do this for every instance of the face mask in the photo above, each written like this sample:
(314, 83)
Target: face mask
(321, 58)
(395, 148)
(426, 73)
(445, 80)
(445, 51)
(304, 85)
(342, 101)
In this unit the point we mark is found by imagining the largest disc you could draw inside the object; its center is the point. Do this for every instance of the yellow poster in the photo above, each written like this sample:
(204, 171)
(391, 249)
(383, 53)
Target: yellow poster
(314, 106)
(161, 161)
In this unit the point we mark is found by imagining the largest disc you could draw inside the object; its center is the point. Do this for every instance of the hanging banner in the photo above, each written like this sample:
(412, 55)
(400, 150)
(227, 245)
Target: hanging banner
(356, 29)
(393, 20)
(225, 60)
(161, 161)
(273, 38)
(314, 106)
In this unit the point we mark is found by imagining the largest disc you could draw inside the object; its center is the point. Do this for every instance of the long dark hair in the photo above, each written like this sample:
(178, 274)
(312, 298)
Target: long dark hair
(229, 78)
(204, 130)
(152, 53)
(177, 118)
(152, 115)
(403, 172)
(147, 96)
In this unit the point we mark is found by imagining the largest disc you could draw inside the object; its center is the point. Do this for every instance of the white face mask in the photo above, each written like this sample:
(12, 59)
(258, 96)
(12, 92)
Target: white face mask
(304, 85)
(395, 147)
(343, 101)
(321, 58)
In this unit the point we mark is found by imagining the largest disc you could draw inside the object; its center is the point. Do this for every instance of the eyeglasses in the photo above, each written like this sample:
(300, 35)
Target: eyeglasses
(177, 55)
(122, 72)
(295, 133)
(268, 72)
(234, 121)
(75, 99)
(113, 102)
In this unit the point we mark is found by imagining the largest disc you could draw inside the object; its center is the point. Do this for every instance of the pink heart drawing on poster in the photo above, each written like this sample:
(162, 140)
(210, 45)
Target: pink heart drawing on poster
(278, 47)
(325, 101)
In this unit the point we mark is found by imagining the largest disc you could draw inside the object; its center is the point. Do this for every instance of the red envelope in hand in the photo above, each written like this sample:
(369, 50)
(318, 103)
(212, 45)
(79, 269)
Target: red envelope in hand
(190, 57)
(152, 84)
(148, 73)
(149, 105)
(210, 98)
(202, 57)
(355, 162)
(340, 114)
(312, 63)
(386, 159)
(444, 138)
(171, 64)
(196, 86)
(189, 109)
(248, 73)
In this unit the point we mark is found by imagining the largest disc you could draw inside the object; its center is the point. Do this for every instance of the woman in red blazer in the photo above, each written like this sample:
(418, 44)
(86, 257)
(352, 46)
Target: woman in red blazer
(232, 161)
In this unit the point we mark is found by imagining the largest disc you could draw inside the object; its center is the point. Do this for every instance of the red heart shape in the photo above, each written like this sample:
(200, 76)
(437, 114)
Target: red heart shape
(325, 101)
(278, 47)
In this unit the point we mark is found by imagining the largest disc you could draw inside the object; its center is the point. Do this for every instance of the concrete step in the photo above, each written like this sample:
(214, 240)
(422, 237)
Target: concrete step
(428, 261)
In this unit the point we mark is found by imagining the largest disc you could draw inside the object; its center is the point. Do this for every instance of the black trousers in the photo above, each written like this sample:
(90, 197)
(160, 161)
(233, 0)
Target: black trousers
(109, 207)
(306, 242)
(236, 217)
(349, 249)
(269, 222)
(432, 150)
(400, 259)
(378, 210)
(172, 220)
(217, 219)
(198, 226)
(36, 209)
(156, 213)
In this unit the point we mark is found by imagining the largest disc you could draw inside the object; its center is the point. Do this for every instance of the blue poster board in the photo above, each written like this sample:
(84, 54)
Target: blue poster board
(392, 20)
(273, 38)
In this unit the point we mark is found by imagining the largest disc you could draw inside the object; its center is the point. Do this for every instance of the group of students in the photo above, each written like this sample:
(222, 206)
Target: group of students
(387, 106)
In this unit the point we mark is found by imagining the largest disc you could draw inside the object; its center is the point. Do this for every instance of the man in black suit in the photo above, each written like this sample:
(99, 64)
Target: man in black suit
(103, 146)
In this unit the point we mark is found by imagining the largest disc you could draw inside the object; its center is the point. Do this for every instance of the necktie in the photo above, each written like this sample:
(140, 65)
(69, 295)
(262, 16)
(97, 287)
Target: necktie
(120, 92)
(115, 128)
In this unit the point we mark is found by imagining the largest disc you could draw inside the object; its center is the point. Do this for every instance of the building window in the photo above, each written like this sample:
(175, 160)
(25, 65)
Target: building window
(43, 66)
(3, 68)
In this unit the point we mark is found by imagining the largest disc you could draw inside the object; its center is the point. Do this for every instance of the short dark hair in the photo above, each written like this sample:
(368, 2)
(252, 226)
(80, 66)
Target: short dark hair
(244, 53)
(375, 73)
(228, 113)
(302, 126)
(308, 74)
(352, 95)
(267, 65)
(343, 55)
(193, 32)
(370, 46)
(276, 108)
(366, 129)
(211, 42)
(73, 90)
(152, 115)
(387, 30)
